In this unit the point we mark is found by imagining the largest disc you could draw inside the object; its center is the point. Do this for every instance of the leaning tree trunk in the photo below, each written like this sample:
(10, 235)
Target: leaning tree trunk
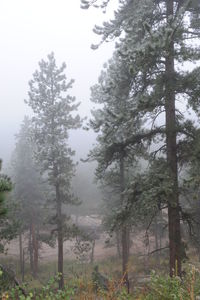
(173, 199)
(60, 237)
(125, 235)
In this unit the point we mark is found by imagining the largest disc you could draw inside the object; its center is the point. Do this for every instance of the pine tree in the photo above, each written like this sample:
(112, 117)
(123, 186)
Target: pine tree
(190, 188)
(112, 122)
(156, 38)
(53, 118)
(28, 193)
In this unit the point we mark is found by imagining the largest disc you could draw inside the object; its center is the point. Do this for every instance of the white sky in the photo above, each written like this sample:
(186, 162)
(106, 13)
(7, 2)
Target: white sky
(31, 29)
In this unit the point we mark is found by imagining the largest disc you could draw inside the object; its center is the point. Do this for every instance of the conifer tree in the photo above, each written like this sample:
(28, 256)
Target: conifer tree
(112, 122)
(28, 193)
(53, 117)
(156, 38)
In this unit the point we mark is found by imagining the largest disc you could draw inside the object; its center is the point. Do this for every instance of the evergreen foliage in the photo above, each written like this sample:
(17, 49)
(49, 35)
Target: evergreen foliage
(113, 122)
(7, 231)
(53, 118)
(28, 195)
(156, 40)
(5, 186)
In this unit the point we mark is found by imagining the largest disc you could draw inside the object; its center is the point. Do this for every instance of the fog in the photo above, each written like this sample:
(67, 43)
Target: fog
(95, 211)
(29, 31)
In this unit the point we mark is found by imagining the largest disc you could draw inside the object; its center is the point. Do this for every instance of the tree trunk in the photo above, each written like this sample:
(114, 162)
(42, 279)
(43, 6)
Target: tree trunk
(92, 252)
(31, 248)
(20, 253)
(128, 240)
(125, 257)
(125, 243)
(173, 200)
(157, 241)
(118, 244)
(60, 238)
(199, 253)
(35, 251)
(160, 231)
(23, 265)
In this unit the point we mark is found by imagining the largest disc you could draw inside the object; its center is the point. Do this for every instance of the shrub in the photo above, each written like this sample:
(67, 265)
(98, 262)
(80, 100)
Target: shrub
(173, 288)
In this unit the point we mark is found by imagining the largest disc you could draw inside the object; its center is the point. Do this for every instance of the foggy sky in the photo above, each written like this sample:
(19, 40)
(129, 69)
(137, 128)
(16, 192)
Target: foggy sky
(31, 29)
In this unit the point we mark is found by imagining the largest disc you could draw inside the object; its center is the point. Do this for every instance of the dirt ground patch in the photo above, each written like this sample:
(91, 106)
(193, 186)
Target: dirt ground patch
(48, 253)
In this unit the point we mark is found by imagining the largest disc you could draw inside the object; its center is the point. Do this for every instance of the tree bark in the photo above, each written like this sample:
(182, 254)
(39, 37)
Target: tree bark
(125, 243)
(60, 238)
(125, 257)
(173, 200)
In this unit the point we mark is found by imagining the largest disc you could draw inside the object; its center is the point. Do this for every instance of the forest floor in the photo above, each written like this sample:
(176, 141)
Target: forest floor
(101, 251)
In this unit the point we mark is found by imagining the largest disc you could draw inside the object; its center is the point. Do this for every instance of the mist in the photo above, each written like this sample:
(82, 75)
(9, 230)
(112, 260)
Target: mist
(31, 30)
(100, 149)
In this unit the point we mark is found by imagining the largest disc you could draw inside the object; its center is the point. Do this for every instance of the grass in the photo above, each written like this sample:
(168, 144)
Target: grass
(78, 280)
(110, 267)
(159, 288)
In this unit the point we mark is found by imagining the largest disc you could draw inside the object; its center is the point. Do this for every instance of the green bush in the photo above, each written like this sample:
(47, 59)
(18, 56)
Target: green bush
(173, 288)
(48, 292)
(165, 288)
(160, 288)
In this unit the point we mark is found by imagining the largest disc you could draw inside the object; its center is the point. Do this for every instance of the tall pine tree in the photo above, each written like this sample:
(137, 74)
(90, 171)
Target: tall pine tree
(113, 122)
(53, 118)
(157, 40)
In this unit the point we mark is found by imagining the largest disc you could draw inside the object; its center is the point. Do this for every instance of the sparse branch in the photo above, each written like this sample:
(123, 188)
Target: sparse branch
(154, 153)
(156, 250)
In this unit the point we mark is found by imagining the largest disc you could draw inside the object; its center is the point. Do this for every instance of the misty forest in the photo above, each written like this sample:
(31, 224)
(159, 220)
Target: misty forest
(100, 191)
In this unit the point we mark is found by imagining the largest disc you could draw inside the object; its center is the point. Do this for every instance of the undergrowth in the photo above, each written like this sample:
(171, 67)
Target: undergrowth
(160, 287)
